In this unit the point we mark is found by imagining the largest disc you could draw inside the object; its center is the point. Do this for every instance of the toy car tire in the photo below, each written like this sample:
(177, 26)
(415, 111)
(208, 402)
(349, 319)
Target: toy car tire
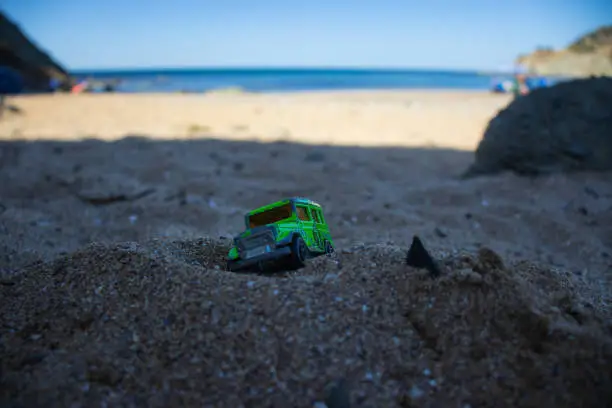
(298, 252)
(329, 249)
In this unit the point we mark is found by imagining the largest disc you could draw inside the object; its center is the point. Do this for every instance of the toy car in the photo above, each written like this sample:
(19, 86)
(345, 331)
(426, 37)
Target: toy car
(291, 230)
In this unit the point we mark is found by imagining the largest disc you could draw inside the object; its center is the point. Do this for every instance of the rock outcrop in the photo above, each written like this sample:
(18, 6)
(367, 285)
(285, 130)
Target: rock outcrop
(589, 55)
(18, 52)
(563, 128)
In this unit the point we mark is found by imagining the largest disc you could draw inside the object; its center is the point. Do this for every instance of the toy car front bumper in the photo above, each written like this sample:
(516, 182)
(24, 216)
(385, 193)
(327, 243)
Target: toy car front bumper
(238, 264)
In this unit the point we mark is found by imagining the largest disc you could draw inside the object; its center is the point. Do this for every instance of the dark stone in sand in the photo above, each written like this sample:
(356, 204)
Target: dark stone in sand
(418, 257)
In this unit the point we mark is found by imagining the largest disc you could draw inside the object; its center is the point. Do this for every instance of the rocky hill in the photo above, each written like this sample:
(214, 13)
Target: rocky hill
(559, 129)
(17, 51)
(589, 55)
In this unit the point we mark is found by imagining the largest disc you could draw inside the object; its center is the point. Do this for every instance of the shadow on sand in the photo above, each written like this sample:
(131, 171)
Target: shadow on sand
(56, 196)
(137, 187)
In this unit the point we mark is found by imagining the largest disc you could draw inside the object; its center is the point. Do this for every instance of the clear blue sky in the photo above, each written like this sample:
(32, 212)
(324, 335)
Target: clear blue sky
(461, 34)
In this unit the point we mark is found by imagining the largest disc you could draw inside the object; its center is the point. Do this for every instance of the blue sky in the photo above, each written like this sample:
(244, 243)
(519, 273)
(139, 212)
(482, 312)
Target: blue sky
(452, 34)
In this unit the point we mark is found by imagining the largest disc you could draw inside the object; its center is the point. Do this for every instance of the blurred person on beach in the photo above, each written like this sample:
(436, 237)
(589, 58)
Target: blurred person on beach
(80, 87)
(520, 81)
(11, 83)
(54, 84)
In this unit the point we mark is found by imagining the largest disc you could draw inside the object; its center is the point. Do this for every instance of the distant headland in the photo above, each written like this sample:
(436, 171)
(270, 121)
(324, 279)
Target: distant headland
(589, 55)
(20, 53)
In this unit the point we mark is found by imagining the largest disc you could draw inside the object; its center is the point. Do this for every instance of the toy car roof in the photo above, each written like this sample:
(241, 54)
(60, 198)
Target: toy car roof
(299, 200)
(303, 200)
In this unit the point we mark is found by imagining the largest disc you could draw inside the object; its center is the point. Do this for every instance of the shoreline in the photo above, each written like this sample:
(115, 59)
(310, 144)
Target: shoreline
(277, 80)
(239, 91)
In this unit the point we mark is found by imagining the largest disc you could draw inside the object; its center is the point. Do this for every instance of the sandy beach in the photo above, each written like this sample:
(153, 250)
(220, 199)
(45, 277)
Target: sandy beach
(354, 118)
(119, 208)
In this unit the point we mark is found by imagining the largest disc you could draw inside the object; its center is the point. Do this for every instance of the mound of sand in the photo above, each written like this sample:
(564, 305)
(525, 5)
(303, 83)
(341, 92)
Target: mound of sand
(160, 324)
(566, 127)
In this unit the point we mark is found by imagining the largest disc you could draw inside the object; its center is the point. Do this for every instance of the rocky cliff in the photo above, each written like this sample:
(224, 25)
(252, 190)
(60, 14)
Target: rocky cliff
(589, 55)
(20, 53)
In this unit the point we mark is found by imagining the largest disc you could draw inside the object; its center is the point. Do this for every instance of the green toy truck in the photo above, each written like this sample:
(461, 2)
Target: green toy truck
(291, 230)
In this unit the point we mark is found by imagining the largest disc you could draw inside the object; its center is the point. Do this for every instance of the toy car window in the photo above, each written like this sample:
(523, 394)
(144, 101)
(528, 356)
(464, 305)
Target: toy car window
(302, 213)
(315, 215)
(320, 213)
(270, 216)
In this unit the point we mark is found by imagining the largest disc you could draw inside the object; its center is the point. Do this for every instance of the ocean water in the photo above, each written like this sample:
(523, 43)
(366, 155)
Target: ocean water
(279, 80)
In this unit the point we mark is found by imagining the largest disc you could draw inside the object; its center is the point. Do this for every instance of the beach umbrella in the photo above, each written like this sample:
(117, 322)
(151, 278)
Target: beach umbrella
(11, 82)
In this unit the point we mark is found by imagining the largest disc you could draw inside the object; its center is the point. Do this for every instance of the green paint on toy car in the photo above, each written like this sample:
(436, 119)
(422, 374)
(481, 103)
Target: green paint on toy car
(293, 229)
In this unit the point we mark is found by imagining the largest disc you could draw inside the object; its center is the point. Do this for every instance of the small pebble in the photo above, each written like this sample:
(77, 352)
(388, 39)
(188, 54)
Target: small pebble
(315, 156)
(440, 232)
(330, 276)
(416, 392)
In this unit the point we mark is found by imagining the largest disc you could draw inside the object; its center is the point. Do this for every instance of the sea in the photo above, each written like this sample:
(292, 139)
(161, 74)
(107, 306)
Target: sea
(286, 79)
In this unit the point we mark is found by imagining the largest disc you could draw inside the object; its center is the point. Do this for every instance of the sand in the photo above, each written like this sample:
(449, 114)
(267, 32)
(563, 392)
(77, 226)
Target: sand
(115, 214)
(426, 118)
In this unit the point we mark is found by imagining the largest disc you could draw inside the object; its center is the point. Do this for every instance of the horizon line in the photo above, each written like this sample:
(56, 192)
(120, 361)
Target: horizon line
(285, 68)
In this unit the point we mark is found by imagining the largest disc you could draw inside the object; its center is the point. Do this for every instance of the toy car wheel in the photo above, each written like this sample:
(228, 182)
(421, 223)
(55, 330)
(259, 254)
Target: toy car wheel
(329, 249)
(298, 252)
